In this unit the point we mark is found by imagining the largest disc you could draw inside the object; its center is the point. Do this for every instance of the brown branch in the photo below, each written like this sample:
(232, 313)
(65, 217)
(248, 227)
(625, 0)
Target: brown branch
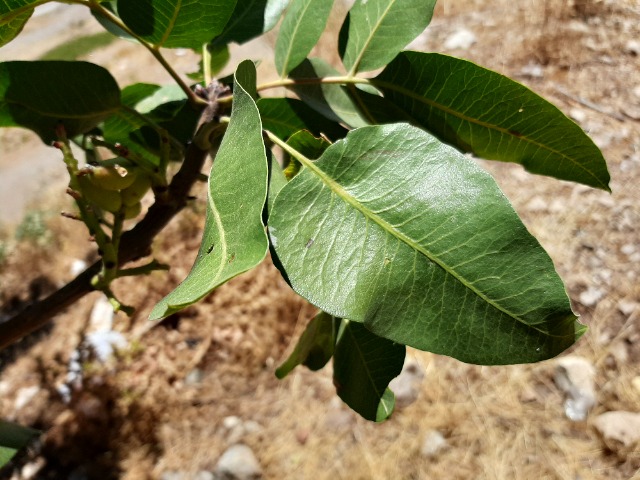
(134, 244)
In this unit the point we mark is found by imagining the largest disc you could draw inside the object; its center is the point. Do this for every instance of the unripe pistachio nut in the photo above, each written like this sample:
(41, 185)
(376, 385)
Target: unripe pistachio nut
(107, 200)
(132, 211)
(112, 177)
(134, 193)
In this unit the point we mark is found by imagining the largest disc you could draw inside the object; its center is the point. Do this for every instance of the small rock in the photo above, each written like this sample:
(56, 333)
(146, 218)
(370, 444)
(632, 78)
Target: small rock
(194, 377)
(628, 249)
(101, 318)
(633, 47)
(620, 431)
(461, 39)
(406, 386)
(575, 377)
(433, 443)
(201, 475)
(302, 435)
(532, 70)
(636, 91)
(627, 307)
(77, 267)
(591, 296)
(24, 396)
(528, 395)
(238, 462)
(631, 111)
(578, 115)
(636, 384)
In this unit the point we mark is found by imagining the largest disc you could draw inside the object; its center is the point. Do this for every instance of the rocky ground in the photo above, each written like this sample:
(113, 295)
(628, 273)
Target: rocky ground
(196, 397)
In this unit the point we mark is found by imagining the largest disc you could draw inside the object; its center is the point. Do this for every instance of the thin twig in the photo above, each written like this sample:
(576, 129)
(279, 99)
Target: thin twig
(135, 244)
(586, 103)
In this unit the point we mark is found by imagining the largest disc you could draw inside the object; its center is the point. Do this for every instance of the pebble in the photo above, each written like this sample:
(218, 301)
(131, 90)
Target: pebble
(433, 443)
(577, 115)
(406, 386)
(460, 39)
(238, 462)
(620, 431)
(636, 384)
(627, 307)
(591, 296)
(633, 47)
(636, 91)
(575, 377)
(532, 70)
(177, 475)
(24, 396)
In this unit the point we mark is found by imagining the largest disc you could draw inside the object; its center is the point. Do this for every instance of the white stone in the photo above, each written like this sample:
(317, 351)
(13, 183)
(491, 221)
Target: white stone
(575, 377)
(577, 115)
(532, 70)
(460, 39)
(106, 343)
(633, 47)
(636, 91)
(24, 396)
(238, 462)
(77, 267)
(406, 386)
(620, 431)
(636, 384)
(101, 315)
(433, 443)
(591, 296)
(627, 307)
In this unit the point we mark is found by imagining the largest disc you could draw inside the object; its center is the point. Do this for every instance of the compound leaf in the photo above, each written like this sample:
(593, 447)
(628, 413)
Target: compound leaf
(12, 25)
(492, 116)
(13, 437)
(331, 100)
(250, 19)
(42, 95)
(363, 366)
(176, 23)
(234, 238)
(301, 28)
(315, 346)
(286, 116)
(375, 31)
(395, 229)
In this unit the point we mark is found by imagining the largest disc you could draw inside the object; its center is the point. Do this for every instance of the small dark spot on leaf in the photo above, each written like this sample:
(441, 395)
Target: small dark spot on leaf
(210, 249)
(232, 257)
(309, 243)
(515, 133)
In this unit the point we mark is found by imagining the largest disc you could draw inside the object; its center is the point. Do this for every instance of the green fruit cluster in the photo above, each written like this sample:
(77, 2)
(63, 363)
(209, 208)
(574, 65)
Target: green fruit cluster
(115, 185)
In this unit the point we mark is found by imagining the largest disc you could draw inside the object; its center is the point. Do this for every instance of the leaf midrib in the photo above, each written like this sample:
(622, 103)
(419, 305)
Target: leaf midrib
(344, 195)
(171, 24)
(292, 38)
(356, 64)
(431, 103)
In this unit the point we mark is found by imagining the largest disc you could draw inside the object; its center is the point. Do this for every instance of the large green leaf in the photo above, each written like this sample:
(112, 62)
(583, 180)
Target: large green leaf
(13, 437)
(301, 28)
(176, 23)
(250, 19)
(286, 116)
(486, 113)
(375, 31)
(43, 94)
(363, 366)
(315, 346)
(12, 25)
(331, 100)
(234, 238)
(395, 229)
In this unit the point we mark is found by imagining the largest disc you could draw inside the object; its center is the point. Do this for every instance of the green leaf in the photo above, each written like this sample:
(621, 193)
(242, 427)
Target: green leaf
(234, 238)
(314, 348)
(108, 25)
(13, 437)
(331, 100)
(250, 19)
(375, 31)
(44, 94)
(308, 145)
(176, 23)
(12, 25)
(286, 116)
(301, 28)
(392, 228)
(363, 366)
(277, 181)
(492, 116)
